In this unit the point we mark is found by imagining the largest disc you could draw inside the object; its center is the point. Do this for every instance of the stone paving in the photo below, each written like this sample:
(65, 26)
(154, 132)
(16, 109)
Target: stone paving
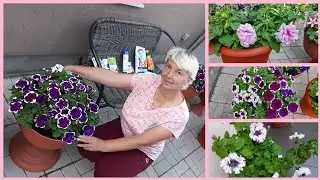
(183, 157)
(221, 98)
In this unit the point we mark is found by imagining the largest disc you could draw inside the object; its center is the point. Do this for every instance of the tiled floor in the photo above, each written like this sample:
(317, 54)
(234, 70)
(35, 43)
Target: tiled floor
(293, 53)
(183, 157)
(221, 98)
(279, 135)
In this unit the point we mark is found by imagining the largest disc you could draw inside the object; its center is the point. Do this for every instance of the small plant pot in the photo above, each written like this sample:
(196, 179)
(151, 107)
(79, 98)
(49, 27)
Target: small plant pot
(279, 124)
(251, 55)
(189, 93)
(306, 104)
(311, 48)
(34, 152)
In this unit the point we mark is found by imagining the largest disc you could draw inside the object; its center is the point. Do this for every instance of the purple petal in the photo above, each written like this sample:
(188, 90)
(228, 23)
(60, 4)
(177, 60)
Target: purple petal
(93, 107)
(293, 107)
(35, 84)
(276, 104)
(277, 73)
(271, 114)
(41, 121)
(69, 137)
(42, 100)
(66, 85)
(283, 84)
(257, 79)
(54, 93)
(88, 130)
(283, 112)
(63, 122)
(44, 77)
(64, 112)
(30, 97)
(74, 80)
(36, 77)
(81, 106)
(54, 112)
(21, 83)
(262, 84)
(75, 113)
(274, 86)
(268, 95)
(81, 87)
(15, 107)
(200, 76)
(83, 118)
(62, 103)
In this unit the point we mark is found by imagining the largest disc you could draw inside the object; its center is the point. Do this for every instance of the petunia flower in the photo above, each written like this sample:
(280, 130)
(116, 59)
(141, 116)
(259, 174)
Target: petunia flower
(88, 130)
(30, 97)
(63, 122)
(69, 137)
(233, 163)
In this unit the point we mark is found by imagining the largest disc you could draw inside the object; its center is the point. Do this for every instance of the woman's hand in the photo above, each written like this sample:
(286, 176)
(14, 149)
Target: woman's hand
(91, 143)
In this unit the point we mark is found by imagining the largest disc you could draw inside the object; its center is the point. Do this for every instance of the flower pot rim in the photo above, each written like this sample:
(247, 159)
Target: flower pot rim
(45, 137)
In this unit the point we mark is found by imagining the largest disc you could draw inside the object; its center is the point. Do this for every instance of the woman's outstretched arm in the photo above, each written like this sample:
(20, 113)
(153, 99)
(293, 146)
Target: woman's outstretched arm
(102, 76)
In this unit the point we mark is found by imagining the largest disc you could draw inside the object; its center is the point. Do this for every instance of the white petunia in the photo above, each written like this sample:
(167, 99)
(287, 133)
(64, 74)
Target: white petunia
(57, 68)
(246, 79)
(275, 175)
(258, 132)
(280, 156)
(233, 163)
(302, 172)
(296, 135)
(235, 88)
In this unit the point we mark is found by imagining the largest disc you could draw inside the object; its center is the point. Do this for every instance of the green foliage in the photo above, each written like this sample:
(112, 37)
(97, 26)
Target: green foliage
(313, 92)
(224, 21)
(262, 159)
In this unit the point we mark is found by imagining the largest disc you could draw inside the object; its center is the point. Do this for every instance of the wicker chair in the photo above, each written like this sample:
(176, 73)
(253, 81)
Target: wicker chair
(108, 37)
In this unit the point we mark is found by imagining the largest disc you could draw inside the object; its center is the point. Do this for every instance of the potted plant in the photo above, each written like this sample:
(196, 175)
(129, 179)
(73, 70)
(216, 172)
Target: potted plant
(250, 152)
(309, 102)
(263, 93)
(247, 33)
(52, 109)
(197, 85)
(310, 41)
(294, 71)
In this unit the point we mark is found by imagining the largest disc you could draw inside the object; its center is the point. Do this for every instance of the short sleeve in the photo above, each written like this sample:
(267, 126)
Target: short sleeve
(177, 123)
(142, 80)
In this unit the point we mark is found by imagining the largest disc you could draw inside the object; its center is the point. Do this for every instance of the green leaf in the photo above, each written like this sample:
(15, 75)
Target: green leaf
(246, 152)
(275, 46)
(264, 43)
(56, 134)
(239, 143)
(267, 36)
(276, 149)
(216, 49)
(226, 134)
(226, 40)
(267, 155)
(234, 25)
(269, 169)
(258, 26)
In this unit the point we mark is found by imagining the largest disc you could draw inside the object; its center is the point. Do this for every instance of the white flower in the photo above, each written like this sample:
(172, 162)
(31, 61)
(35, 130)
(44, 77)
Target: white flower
(246, 79)
(296, 135)
(233, 163)
(44, 69)
(275, 175)
(252, 89)
(301, 172)
(235, 88)
(280, 156)
(57, 68)
(258, 132)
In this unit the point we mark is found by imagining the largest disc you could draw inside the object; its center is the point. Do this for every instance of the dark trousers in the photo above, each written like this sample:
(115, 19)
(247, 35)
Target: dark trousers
(115, 164)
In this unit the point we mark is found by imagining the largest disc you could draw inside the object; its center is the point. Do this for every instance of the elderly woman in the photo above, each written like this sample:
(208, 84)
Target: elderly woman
(154, 112)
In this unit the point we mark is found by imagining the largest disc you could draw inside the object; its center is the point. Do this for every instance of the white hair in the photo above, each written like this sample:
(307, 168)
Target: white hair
(185, 61)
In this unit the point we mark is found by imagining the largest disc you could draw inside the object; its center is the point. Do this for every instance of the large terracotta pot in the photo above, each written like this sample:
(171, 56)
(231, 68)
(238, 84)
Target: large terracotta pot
(201, 137)
(190, 93)
(34, 152)
(305, 103)
(279, 124)
(251, 55)
(311, 48)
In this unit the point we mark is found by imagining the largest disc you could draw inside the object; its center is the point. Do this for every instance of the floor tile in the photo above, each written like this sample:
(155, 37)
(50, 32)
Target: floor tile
(56, 174)
(70, 171)
(162, 167)
(171, 173)
(34, 174)
(189, 174)
(151, 172)
(12, 170)
(73, 152)
(88, 174)
(181, 168)
(63, 161)
(11, 131)
(84, 166)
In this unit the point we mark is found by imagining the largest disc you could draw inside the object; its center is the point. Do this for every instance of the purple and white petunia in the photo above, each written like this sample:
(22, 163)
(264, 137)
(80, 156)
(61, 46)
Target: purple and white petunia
(44, 77)
(81, 106)
(20, 84)
(93, 107)
(62, 103)
(81, 87)
(89, 97)
(15, 106)
(246, 79)
(74, 80)
(268, 95)
(283, 84)
(243, 114)
(257, 79)
(274, 86)
(276, 104)
(75, 113)
(252, 89)
(69, 137)
(63, 122)
(235, 88)
(66, 85)
(236, 115)
(261, 85)
(35, 84)
(64, 112)
(42, 100)
(30, 97)
(36, 77)
(293, 107)
(88, 130)
(277, 73)
(272, 68)
(54, 93)
(271, 114)
(41, 121)
(53, 112)
(283, 112)
(83, 118)
(90, 88)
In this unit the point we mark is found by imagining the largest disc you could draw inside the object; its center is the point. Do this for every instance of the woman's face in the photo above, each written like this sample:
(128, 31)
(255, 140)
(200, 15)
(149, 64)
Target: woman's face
(172, 77)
